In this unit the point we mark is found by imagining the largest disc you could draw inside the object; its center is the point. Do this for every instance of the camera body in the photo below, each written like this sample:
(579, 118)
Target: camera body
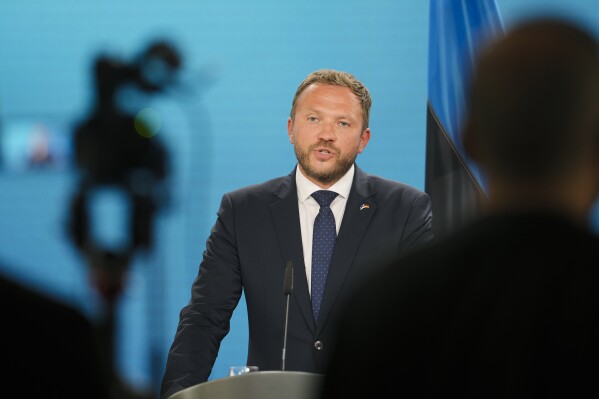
(122, 171)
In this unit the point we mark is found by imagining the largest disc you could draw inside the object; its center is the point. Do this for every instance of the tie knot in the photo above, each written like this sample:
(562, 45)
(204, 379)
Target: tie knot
(324, 197)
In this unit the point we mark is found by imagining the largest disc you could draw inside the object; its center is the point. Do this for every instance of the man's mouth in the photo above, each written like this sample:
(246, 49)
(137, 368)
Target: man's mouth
(324, 154)
(323, 149)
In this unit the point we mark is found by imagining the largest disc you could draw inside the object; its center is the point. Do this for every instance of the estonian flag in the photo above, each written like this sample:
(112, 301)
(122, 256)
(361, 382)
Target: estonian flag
(457, 29)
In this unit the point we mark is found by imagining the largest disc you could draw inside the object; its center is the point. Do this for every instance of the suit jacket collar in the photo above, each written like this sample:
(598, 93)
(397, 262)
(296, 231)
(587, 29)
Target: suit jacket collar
(285, 214)
(358, 212)
(360, 209)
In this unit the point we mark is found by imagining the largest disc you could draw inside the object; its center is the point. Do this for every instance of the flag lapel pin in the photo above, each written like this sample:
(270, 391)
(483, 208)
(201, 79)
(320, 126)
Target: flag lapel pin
(364, 206)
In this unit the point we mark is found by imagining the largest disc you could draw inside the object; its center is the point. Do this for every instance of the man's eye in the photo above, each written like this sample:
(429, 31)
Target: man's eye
(312, 119)
(344, 124)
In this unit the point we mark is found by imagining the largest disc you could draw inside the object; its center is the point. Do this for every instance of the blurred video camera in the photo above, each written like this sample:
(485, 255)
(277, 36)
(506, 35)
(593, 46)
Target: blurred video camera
(122, 163)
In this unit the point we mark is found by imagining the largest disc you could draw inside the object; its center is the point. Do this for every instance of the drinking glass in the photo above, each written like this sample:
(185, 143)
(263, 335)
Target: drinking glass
(239, 370)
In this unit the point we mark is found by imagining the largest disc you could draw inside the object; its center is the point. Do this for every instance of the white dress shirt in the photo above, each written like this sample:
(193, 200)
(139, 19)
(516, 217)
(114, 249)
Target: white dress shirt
(309, 208)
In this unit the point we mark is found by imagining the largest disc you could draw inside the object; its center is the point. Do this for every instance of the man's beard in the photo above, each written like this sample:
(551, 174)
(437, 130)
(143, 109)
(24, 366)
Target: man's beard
(340, 168)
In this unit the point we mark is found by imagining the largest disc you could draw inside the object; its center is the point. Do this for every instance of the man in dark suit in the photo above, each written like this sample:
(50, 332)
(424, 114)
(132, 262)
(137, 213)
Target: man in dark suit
(507, 307)
(263, 227)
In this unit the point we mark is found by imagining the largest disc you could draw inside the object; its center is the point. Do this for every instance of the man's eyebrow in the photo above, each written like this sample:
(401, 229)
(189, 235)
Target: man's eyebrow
(339, 116)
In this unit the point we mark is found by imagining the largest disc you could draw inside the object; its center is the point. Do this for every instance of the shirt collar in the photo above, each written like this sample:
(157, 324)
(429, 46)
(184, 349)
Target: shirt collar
(305, 187)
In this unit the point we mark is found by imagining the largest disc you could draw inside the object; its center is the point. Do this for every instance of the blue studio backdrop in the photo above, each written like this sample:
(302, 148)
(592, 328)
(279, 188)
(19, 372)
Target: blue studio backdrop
(222, 121)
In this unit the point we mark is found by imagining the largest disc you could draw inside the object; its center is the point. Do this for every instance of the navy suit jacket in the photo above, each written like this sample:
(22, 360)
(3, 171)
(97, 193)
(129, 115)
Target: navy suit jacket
(256, 233)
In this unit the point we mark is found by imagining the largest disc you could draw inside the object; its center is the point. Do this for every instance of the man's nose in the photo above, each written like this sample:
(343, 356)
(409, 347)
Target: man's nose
(327, 132)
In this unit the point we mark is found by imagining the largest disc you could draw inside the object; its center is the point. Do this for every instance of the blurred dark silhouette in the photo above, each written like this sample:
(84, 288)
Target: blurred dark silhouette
(48, 348)
(116, 150)
(507, 306)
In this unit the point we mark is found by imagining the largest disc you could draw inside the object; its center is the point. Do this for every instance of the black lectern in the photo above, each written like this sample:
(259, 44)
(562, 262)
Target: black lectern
(259, 384)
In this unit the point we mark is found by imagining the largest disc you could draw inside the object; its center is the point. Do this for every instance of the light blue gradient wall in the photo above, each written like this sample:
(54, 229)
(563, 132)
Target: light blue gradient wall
(243, 61)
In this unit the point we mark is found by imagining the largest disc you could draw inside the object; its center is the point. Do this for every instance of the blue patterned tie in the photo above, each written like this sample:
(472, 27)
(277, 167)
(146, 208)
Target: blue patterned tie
(323, 244)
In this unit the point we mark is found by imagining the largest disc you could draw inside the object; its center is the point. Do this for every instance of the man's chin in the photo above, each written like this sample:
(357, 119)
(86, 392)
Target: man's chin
(325, 174)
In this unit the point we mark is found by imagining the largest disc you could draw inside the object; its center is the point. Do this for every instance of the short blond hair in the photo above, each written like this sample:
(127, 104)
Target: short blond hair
(336, 78)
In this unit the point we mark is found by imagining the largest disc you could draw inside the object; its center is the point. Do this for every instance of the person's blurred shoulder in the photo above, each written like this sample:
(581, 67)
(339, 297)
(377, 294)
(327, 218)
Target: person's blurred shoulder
(51, 346)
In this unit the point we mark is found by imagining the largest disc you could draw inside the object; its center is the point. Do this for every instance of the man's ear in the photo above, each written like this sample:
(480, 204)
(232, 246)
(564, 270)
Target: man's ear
(364, 139)
(290, 130)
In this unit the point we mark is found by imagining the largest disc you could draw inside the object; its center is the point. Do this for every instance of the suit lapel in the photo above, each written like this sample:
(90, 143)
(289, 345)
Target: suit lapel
(285, 214)
(359, 211)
